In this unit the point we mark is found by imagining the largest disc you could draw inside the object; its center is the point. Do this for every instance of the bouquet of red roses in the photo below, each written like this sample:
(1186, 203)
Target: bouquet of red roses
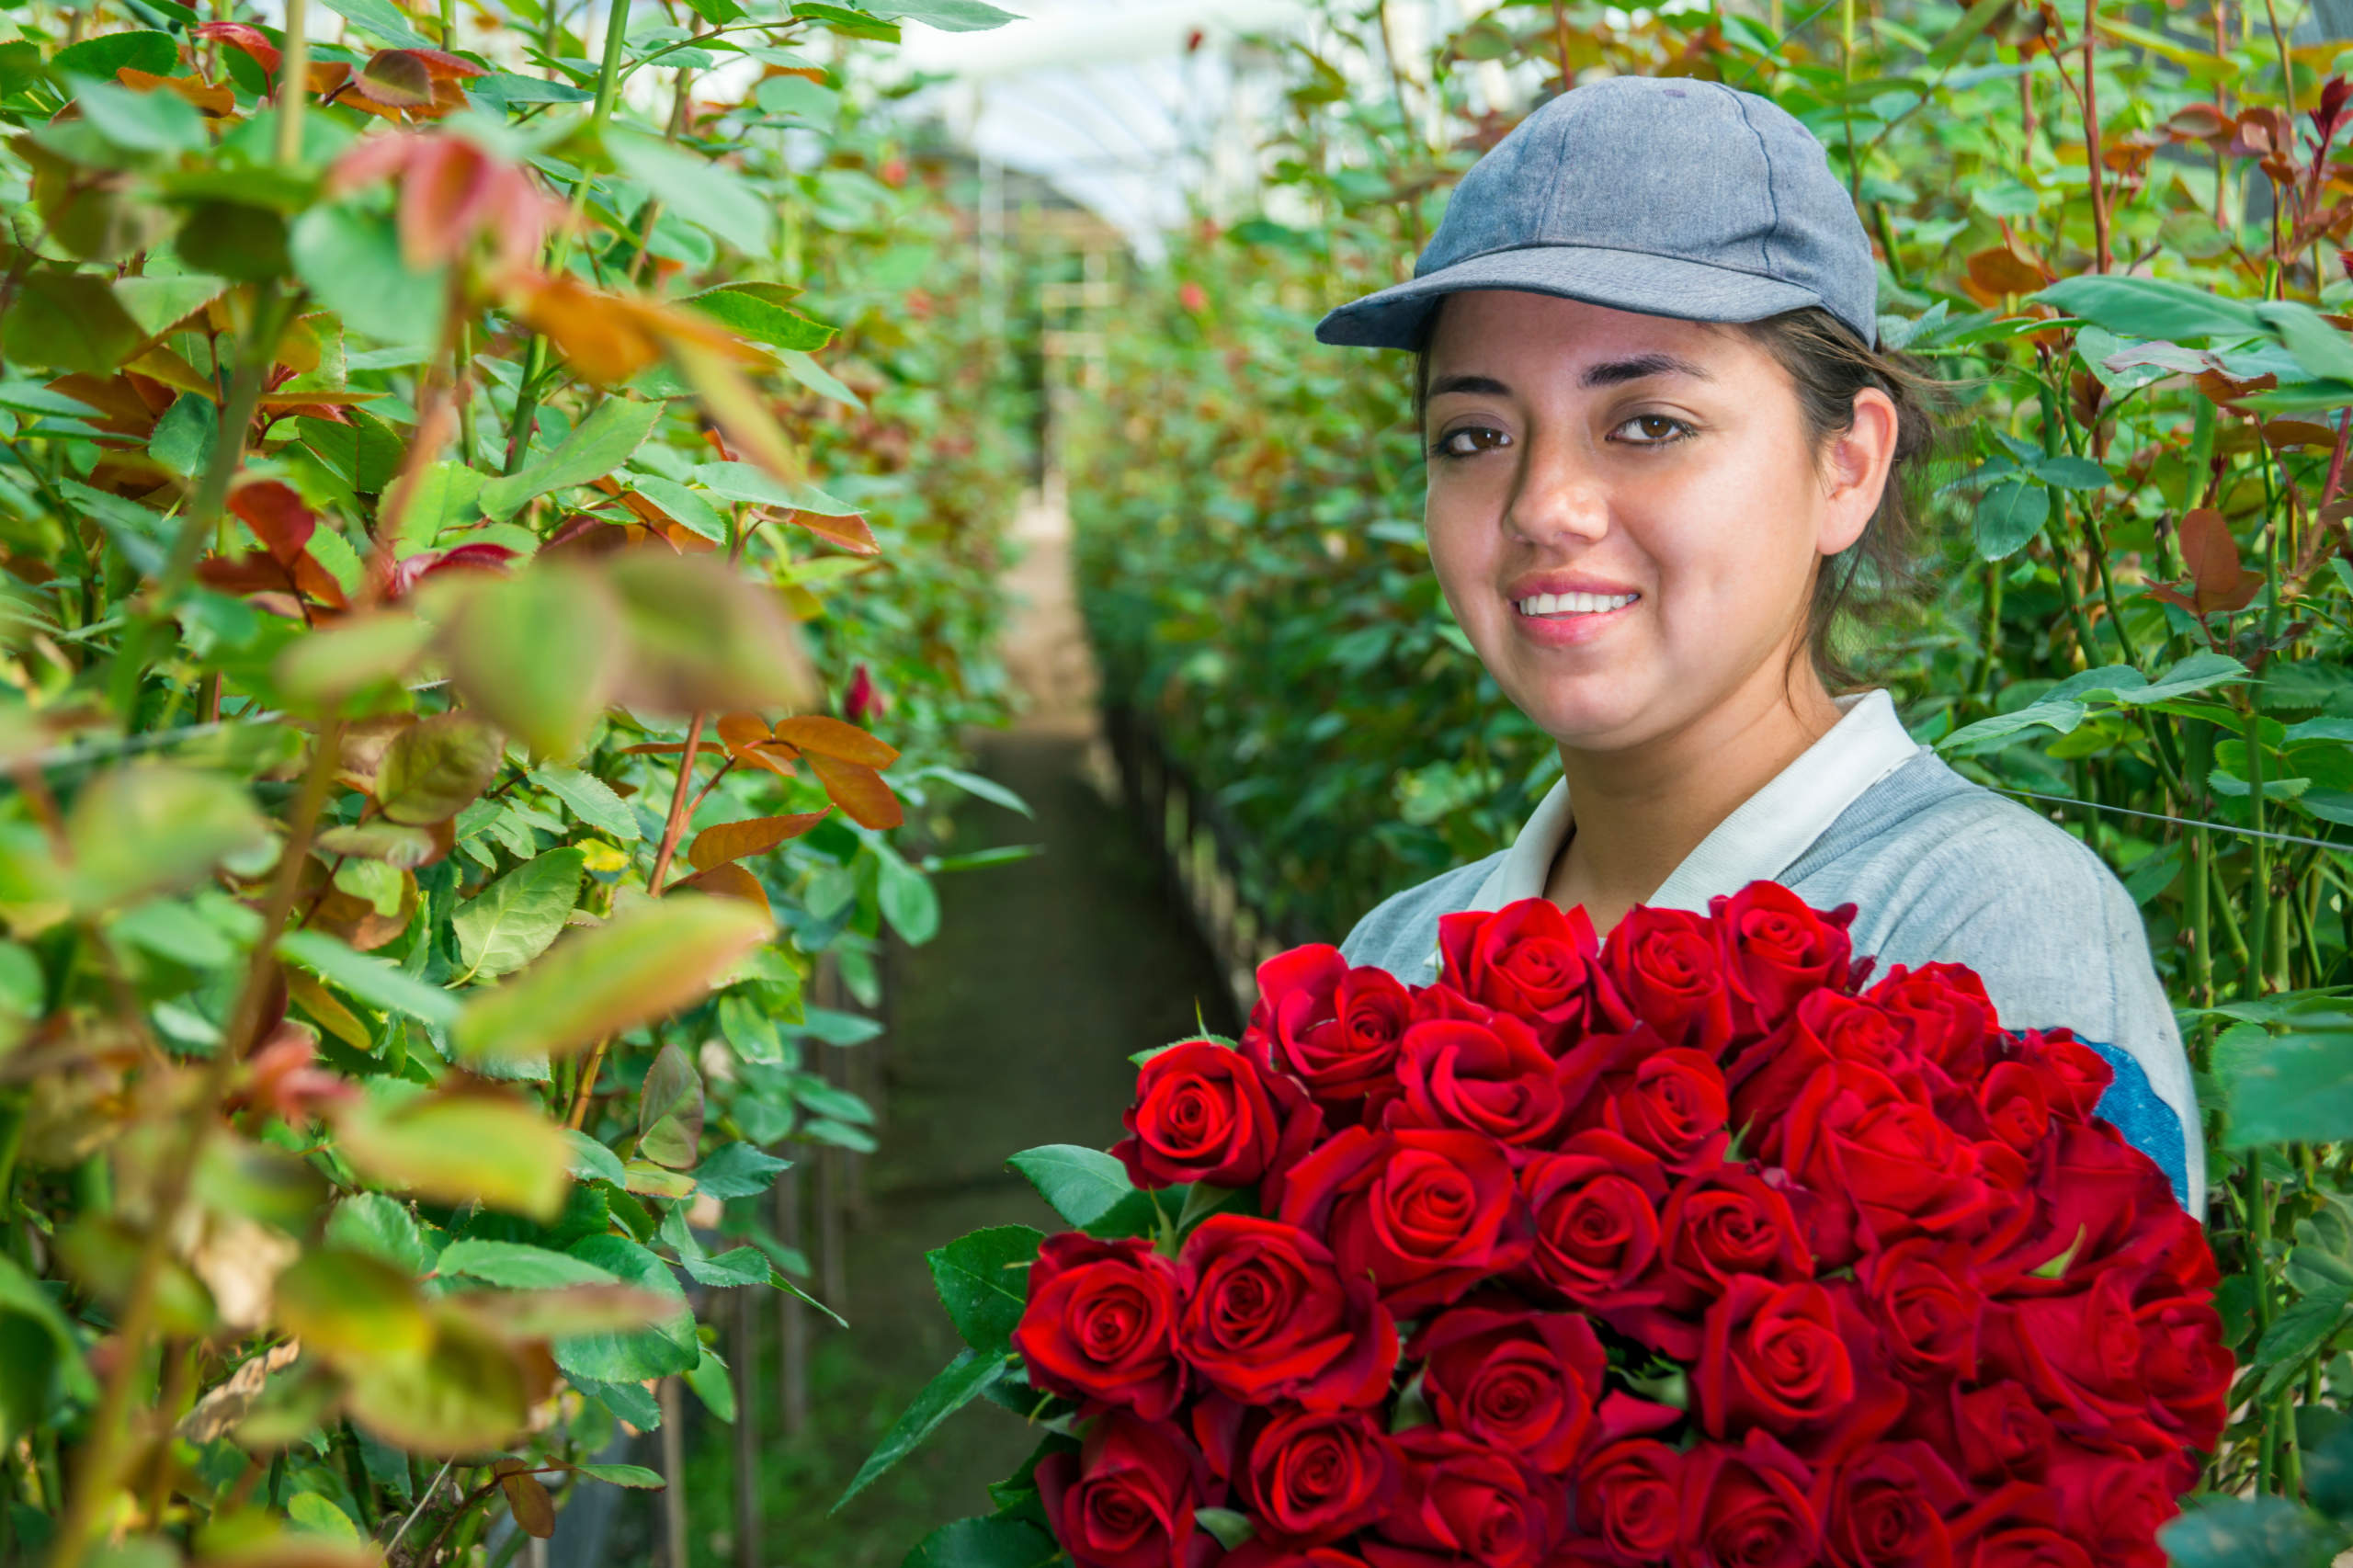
(1685, 1247)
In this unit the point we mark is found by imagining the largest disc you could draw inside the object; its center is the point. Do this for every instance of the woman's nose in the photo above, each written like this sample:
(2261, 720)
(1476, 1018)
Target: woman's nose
(1558, 498)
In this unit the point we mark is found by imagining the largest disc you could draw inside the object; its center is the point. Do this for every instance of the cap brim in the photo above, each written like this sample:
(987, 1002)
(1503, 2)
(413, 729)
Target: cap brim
(1624, 280)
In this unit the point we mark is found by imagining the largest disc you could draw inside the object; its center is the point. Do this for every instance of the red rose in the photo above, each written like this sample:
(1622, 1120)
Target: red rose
(1334, 1029)
(1463, 1500)
(1796, 1360)
(1630, 1497)
(1100, 1325)
(1826, 1026)
(1491, 1078)
(1772, 1356)
(1126, 1498)
(1427, 1215)
(1267, 1316)
(2073, 1074)
(1952, 1019)
(2114, 1507)
(2002, 1434)
(1667, 968)
(1314, 1476)
(1925, 1299)
(1526, 1382)
(2029, 1546)
(2080, 1354)
(1668, 1103)
(1888, 1507)
(2186, 1368)
(2094, 1200)
(1532, 959)
(1880, 1157)
(1723, 1222)
(1595, 1208)
(1748, 1507)
(1777, 949)
(2015, 1105)
(1204, 1112)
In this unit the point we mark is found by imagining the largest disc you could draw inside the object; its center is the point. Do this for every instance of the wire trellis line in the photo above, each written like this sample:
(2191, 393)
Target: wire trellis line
(2181, 822)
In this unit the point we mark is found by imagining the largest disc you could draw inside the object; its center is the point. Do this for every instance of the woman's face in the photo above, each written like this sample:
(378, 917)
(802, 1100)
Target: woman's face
(1625, 510)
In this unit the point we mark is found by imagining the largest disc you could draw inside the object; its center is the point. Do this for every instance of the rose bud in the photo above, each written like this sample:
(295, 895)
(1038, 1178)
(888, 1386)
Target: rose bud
(1887, 1508)
(1464, 1500)
(2112, 1505)
(1519, 1380)
(2003, 1434)
(1667, 967)
(1207, 1113)
(1126, 1499)
(1670, 1104)
(1311, 1477)
(1748, 1507)
(1776, 950)
(1334, 1029)
(1793, 1360)
(1427, 1215)
(1100, 1326)
(1491, 1078)
(1952, 1019)
(1629, 1496)
(1268, 1315)
(1532, 959)
(1926, 1299)
(1884, 1165)
(1727, 1222)
(1596, 1209)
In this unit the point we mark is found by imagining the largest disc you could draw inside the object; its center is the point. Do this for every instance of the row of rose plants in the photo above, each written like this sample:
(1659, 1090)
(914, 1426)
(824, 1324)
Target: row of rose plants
(2118, 237)
(495, 553)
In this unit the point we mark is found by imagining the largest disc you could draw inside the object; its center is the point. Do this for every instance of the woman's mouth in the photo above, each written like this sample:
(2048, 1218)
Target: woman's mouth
(1561, 605)
(1569, 620)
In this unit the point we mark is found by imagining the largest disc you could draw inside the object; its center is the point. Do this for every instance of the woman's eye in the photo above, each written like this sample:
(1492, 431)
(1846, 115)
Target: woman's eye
(1652, 430)
(1469, 441)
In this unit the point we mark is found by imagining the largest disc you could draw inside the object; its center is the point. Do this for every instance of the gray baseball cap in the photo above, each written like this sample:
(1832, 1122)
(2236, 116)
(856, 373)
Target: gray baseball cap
(1668, 195)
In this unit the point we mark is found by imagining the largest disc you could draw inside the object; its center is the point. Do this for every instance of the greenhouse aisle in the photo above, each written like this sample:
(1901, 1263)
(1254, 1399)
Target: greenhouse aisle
(1011, 1028)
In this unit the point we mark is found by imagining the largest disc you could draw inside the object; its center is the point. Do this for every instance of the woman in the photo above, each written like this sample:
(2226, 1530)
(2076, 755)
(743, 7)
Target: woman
(1659, 434)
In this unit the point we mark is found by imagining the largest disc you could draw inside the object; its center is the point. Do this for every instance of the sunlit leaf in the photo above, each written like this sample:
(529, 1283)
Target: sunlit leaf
(512, 921)
(535, 653)
(458, 1148)
(724, 842)
(435, 767)
(644, 964)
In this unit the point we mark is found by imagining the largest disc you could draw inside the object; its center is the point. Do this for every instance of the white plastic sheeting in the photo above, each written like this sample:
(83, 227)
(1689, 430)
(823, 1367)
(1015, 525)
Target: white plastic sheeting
(1130, 107)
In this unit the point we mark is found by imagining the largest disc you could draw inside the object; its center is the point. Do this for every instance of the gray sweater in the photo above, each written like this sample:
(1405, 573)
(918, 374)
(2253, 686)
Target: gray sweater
(1941, 869)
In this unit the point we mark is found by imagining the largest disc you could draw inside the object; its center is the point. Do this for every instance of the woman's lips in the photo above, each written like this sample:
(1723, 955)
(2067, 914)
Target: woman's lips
(1556, 622)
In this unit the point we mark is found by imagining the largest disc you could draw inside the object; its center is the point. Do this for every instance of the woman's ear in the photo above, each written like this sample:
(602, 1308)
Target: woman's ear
(1855, 467)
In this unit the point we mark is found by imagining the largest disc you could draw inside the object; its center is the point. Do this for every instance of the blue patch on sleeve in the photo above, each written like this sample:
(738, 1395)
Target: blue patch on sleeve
(2147, 1122)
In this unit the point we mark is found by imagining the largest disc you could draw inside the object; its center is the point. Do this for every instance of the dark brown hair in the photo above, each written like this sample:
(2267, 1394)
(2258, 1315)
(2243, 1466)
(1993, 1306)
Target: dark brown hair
(1828, 366)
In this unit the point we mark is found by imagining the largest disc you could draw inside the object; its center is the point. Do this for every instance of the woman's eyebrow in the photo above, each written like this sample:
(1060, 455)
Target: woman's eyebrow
(1485, 386)
(1611, 372)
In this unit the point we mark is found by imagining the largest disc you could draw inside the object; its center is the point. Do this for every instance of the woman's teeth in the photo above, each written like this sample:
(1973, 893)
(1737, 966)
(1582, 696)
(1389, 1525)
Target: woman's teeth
(1572, 604)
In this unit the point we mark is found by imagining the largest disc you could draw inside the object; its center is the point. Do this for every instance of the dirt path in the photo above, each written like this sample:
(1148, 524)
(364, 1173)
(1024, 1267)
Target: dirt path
(1010, 1030)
